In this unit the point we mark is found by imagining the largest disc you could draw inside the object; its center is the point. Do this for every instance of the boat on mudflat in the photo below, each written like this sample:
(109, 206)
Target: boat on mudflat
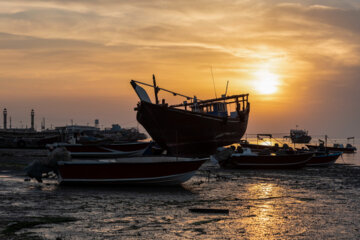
(159, 170)
(78, 151)
(194, 128)
(248, 159)
(322, 159)
(27, 138)
(335, 148)
(299, 136)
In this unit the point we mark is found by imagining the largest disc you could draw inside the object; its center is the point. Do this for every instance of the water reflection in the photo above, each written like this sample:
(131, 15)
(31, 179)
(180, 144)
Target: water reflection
(350, 158)
(266, 216)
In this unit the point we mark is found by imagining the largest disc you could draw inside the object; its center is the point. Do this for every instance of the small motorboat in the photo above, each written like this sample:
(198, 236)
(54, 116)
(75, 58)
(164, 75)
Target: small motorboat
(82, 151)
(323, 159)
(159, 170)
(335, 148)
(248, 159)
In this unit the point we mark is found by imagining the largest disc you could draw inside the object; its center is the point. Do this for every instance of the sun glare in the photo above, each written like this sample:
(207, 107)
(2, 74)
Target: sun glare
(266, 82)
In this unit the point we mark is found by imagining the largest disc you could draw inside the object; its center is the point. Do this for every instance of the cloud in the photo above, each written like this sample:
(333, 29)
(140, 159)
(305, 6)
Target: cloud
(12, 41)
(344, 19)
(91, 49)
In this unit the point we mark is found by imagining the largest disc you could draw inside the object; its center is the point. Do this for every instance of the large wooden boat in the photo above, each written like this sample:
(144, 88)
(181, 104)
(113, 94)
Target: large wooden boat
(83, 151)
(194, 128)
(159, 170)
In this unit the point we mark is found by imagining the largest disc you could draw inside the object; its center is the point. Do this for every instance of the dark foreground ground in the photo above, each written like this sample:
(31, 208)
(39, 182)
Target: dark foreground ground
(308, 203)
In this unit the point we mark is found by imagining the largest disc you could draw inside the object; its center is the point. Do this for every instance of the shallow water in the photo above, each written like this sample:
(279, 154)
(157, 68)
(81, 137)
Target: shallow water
(309, 203)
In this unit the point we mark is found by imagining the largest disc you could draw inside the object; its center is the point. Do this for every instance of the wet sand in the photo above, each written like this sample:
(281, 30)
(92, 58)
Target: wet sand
(309, 203)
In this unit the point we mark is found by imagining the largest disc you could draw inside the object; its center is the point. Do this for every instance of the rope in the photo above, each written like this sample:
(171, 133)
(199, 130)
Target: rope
(342, 159)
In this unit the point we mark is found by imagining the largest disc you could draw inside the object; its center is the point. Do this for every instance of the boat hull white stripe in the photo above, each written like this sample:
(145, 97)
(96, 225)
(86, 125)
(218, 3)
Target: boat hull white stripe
(133, 160)
(112, 153)
(164, 180)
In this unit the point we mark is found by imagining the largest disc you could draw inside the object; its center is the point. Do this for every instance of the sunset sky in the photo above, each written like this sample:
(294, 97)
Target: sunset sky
(299, 60)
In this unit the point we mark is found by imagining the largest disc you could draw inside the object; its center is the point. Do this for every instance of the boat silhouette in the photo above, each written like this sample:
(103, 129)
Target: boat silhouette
(194, 128)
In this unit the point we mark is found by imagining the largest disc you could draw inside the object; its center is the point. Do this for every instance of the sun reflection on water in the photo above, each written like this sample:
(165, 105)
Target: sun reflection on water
(267, 217)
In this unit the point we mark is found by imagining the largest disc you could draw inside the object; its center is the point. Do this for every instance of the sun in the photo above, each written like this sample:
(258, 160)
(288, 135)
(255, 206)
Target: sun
(266, 81)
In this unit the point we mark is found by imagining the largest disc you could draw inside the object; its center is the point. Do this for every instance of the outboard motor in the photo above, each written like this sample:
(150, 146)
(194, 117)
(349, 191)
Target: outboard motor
(37, 168)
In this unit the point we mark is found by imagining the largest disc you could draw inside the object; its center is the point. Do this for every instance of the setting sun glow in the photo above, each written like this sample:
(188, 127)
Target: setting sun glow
(75, 59)
(266, 82)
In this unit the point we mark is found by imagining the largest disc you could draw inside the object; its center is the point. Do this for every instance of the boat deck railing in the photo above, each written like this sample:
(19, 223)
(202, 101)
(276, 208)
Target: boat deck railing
(216, 106)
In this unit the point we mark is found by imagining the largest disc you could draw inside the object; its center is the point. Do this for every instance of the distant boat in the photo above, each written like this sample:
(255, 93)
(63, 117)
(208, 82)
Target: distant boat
(81, 151)
(299, 136)
(27, 138)
(336, 147)
(248, 159)
(159, 170)
(322, 159)
(194, 128)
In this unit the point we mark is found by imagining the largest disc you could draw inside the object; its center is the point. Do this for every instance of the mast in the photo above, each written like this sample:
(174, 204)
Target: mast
(156, 90)
(212, 75)
(227, 84)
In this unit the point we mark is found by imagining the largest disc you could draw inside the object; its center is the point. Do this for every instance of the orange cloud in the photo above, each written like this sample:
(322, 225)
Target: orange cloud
(85, 51)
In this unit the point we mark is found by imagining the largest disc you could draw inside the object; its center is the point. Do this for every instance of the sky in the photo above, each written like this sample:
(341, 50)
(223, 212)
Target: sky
(73, 60)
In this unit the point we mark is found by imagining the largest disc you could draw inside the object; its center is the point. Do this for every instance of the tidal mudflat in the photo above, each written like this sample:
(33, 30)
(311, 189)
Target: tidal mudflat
(309, 203)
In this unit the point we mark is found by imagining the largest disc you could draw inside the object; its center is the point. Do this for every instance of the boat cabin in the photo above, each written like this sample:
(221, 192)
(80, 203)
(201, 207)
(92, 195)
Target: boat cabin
(231, 106)
(298, 133)
(338, 145)
(216, 109)
(349, 145)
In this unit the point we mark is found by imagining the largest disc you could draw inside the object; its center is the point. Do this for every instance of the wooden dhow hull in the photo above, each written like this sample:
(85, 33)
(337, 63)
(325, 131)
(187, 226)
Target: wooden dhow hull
(190, 133)
(137, 170)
